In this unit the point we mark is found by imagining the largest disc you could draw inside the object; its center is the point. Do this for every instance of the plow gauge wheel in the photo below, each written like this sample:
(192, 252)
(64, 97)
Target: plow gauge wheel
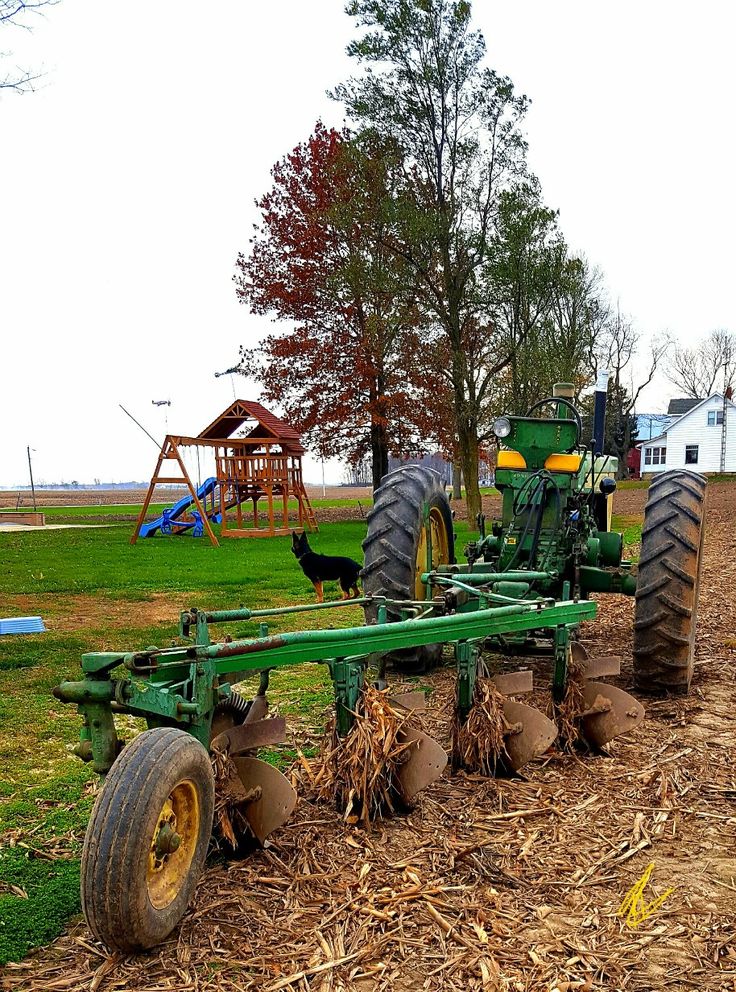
(147, 839)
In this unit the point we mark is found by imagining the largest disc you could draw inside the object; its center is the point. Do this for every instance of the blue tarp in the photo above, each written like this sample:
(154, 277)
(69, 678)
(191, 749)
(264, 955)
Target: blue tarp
(22, 625)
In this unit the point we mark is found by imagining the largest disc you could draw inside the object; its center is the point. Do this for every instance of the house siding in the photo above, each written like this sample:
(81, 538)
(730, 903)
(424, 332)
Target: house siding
(690, 429)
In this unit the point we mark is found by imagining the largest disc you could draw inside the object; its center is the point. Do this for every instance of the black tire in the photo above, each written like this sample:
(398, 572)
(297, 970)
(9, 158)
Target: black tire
(396, 527)
(128, 902)
(669, 582)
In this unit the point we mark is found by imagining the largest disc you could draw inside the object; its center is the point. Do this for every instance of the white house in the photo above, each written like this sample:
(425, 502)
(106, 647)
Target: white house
(698, 440)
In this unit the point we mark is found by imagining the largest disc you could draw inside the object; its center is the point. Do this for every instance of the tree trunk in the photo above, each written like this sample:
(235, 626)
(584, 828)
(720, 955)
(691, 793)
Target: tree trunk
(457, 480)
(466, 415)
(468, 438)
(379, 453)
(379, 434)
(467, 433)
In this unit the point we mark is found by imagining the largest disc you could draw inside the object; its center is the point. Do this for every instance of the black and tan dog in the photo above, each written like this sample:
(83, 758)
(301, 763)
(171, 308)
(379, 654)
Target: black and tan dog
(326, 568)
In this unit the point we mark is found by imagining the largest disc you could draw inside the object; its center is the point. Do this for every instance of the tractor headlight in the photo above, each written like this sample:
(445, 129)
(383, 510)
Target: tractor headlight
(502, 427)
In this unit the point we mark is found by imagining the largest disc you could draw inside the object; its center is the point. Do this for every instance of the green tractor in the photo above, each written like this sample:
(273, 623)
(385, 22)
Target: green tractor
(554, 540)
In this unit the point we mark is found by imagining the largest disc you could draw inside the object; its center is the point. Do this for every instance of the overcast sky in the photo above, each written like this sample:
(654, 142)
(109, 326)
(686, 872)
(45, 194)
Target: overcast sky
(127, 185)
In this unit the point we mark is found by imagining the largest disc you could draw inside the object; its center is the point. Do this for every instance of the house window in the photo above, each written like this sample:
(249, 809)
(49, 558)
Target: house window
(691, 454)
(715, 417)
(655, 456)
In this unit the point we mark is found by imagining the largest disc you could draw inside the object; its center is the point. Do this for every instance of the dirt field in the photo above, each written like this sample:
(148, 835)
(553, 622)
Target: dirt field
(489, 885)
(162, 494)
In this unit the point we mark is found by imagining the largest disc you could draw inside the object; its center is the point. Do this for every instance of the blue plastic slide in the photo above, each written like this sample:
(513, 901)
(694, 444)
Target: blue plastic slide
(167, 522)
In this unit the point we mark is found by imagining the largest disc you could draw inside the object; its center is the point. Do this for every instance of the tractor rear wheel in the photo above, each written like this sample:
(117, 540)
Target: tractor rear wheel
(668, 583)
(147, 839)
(409, 532)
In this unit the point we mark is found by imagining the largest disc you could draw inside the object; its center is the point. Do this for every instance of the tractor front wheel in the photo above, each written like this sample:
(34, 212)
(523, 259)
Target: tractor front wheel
(409, 532)
(668, 583)
(147, 839)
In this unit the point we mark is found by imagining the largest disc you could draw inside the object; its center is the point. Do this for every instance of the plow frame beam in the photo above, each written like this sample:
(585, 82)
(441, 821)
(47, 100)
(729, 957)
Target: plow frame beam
(181, 686)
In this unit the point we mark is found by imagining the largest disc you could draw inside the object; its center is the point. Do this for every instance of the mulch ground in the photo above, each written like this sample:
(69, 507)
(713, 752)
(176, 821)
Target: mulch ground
(508, 885)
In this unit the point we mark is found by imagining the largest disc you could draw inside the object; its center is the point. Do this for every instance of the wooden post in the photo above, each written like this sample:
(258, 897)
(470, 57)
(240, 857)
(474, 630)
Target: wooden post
(149, 494)
(271, 523)
(223, 504)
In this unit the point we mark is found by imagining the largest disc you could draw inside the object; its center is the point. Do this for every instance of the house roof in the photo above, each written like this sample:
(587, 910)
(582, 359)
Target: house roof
(268, 426)
(652, 440)
(678, 407)
(692, 409)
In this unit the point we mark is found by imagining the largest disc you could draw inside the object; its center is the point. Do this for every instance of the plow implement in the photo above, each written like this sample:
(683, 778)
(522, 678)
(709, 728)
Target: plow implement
(152, 820)
(523, 589)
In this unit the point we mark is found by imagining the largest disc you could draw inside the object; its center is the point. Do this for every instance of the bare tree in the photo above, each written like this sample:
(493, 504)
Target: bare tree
(18, 14)
(358, 473)
(629, 374)
(696, 371)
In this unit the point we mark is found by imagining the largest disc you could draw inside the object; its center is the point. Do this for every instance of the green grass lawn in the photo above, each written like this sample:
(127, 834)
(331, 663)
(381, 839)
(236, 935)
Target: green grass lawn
(97, 592)
(628, 524)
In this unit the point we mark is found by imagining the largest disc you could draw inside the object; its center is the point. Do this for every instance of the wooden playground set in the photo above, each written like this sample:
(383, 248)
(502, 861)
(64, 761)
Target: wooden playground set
(261, 467)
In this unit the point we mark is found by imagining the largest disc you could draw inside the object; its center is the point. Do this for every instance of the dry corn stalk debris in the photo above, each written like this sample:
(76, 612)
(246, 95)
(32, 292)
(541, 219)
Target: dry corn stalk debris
(358, 772)
(230, 824)
(527, 875)
(568, 713)
(478, 742)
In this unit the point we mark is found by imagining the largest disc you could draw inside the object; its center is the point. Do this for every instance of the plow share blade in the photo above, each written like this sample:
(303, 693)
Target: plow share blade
(528, 732)
(609, 711)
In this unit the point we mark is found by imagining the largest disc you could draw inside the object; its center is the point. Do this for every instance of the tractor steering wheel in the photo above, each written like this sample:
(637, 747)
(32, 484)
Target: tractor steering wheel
(565, 402)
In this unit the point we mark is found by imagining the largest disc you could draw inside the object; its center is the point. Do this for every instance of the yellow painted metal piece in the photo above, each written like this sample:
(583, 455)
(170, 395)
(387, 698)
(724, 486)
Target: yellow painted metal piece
(510, 459)
(635, 908)
(440, 549)
(173, 845)
(609, 512)
(563, 463)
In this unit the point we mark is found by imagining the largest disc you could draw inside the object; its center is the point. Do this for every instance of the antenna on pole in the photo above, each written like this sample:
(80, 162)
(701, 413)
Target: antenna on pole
(166, 413)
(231, 372)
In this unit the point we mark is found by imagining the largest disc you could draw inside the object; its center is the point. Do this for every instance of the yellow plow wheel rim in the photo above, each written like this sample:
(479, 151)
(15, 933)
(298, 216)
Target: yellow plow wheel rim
(435, 528)
(168, 865)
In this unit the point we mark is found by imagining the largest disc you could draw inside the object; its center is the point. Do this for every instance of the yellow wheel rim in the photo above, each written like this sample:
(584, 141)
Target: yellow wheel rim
(173, 845)
(433, 550)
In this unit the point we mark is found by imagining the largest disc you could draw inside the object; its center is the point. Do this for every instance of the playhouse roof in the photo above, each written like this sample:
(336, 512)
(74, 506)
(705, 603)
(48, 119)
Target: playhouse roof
(269, 426)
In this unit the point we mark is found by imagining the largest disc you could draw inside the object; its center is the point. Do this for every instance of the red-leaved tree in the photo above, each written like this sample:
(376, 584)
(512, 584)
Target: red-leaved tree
(350, 372)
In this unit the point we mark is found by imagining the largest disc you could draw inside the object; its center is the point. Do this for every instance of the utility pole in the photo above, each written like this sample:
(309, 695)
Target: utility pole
(30, 472)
